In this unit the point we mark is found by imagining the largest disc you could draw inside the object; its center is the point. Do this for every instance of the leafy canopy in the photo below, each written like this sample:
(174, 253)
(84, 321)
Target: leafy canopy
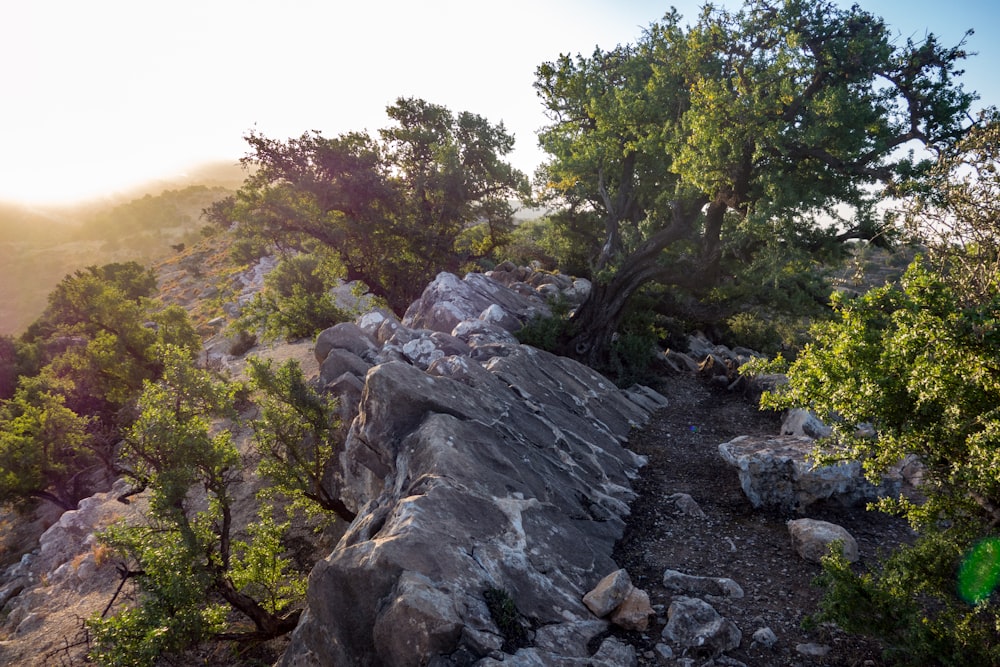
(391, 208)
(770, 117)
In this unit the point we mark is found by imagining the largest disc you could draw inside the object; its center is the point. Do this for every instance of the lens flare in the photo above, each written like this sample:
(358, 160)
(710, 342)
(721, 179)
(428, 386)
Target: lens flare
(980, 571)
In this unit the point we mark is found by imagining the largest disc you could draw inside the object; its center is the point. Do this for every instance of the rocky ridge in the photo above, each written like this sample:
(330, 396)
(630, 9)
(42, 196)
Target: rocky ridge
(492, 483)
(475, 464)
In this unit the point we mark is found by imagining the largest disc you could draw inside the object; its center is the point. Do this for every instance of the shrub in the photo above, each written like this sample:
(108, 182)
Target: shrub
(296, 301)
(546, 332)
(918, 362)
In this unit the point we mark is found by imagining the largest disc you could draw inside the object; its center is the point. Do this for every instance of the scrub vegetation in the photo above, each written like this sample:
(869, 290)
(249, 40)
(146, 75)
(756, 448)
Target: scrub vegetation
(713, 175)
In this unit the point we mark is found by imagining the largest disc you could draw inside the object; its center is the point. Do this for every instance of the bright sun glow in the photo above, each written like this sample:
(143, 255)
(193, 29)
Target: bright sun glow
(102, 96)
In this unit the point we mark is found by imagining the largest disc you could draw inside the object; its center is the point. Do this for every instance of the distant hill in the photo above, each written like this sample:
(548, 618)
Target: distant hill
(38, 247)
(20, 223)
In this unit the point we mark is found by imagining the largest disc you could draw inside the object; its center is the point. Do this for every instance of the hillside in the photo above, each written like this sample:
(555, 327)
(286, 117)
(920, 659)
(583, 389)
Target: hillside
(38, 248)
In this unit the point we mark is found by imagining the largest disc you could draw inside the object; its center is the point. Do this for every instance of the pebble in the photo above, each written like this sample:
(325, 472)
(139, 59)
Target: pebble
(765, 637)
(812, 650)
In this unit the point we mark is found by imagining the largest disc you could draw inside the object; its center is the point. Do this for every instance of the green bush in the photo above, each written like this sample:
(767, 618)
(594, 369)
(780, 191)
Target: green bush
(296, 301)
(910, 602)
(769, 335)
(635, 347)
(920, 364)
(546, 332)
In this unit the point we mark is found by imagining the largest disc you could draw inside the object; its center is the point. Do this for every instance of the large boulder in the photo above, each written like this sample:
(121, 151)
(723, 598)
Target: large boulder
(450, 300)
(692, 623)
(474, 464)
(779, 471)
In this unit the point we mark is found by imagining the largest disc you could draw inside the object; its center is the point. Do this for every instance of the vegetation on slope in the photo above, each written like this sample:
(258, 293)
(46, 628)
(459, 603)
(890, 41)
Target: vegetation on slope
(693, 176)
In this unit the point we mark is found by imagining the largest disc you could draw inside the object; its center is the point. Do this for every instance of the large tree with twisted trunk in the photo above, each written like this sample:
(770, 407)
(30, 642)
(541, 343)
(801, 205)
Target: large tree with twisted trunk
(767, 119)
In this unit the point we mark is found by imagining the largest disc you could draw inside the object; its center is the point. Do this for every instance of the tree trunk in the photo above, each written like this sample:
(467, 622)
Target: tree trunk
(268, 625)
(711, 248)
(594, 323)
(617, 210)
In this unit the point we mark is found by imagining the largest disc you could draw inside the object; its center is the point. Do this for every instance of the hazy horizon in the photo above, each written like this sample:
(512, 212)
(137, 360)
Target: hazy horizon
(109, 95)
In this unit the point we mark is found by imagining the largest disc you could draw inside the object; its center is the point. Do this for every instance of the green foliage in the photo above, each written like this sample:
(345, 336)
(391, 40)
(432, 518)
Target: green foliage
(768, 333)
(392, 209)
(173, 327)
(191, 568)
(546, 332)
(173, 612)
(919, 362)
(258, 569)
(503, 611)
(708, 151)
(9, 363)
(956, 212)
(555, 242)
(296, 301)
(910, 603)
(79, 369)
(297, 434)
(43, 446)
(634, 347)
(919, 366)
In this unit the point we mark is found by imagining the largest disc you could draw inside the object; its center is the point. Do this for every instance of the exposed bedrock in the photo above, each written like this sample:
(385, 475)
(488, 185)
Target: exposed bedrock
(492, 466)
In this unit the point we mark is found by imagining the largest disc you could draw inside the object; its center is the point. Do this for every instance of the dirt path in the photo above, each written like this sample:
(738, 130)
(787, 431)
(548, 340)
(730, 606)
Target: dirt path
(732, 540)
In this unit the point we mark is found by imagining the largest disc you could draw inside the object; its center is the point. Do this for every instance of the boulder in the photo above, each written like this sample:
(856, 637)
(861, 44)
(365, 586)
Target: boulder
(345, 336)
(812, 539)
(685, 504)
(804, 423)
(778, 471)
(610, 592)
(338, 362)
(480, 332)
(633, 613)
(694, 624)
(687, 583)
(449, 300)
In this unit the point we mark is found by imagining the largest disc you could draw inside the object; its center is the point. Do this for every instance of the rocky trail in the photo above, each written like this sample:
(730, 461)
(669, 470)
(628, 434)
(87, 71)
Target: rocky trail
(731, 539)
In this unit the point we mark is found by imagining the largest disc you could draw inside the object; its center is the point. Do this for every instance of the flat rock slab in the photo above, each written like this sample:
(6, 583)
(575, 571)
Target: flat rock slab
(779, 471)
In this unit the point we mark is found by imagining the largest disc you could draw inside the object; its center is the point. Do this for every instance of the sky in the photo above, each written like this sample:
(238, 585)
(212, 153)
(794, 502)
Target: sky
(99, 96)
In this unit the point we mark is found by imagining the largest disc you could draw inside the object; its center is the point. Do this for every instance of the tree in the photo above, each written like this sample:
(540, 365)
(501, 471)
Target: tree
(45, 450)
(297, 434)
(767, 117)
(189, 562)
(390, 208)
(956, 211)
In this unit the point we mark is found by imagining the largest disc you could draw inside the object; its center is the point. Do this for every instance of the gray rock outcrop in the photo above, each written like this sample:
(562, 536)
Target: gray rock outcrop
(473, 463)
(778, 471)
(695, 624)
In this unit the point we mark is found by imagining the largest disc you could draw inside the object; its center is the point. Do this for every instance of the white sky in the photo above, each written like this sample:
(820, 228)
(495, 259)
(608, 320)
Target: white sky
(99, 95)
